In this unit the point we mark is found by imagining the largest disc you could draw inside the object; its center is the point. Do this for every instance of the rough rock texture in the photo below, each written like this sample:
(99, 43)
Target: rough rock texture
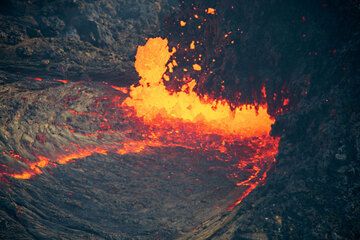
(311, 46)
(157, 193)
(313, 190)
(75, 39)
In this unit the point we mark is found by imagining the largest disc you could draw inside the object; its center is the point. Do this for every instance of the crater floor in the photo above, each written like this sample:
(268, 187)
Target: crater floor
(75, 164)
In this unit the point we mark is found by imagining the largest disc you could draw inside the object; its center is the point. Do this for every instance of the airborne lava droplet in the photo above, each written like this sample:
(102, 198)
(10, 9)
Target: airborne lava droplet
(197, 67)
(211, 11)
(182, 23)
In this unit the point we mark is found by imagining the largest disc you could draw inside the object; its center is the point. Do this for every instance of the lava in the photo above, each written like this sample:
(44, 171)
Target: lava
(155, 104)
(34, 168)
(182, 23)
(158, 118)
(211, 11)
(64, 81)
(151, 99)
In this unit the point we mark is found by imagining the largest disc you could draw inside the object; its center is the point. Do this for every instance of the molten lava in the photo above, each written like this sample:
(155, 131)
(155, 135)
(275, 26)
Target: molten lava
(152, 100)
(158, 106)
(158, 118)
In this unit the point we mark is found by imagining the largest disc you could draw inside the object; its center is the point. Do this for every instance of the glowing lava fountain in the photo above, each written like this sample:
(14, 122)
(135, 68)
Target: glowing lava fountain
(159, 107)
(152, 117)
(153, 101)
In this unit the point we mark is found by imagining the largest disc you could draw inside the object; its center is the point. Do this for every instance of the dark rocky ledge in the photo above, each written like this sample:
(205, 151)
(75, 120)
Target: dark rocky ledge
(312, 192)
(75, 39)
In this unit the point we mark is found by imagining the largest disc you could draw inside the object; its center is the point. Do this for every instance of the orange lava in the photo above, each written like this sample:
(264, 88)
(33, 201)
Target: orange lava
(81, 153)
(151, 99)
(155, 104)
(192, 45)
(137, 146)
(34, 169)
(163, 118)
(258, 175)
(211, 11)
(182, 23)
(64, 81)
(120, 89)
(196, 67)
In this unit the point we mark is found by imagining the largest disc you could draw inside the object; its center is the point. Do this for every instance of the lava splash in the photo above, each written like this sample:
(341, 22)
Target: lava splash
(152, 101)
(147, 117)
(158, 106)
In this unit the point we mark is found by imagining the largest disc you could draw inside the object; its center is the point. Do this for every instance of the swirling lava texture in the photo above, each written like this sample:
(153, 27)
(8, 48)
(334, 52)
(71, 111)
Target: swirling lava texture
(144, 151)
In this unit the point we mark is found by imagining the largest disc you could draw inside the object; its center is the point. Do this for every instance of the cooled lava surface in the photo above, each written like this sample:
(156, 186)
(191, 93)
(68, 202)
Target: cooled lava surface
(93, 160)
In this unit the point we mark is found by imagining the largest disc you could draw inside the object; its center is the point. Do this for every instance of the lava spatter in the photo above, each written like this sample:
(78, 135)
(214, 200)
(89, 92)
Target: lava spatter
(160, 107)
(151, 99)
(148, 117)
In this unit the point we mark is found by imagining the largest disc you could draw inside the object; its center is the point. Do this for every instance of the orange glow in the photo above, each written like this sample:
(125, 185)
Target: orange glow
(152, 100)
(137, 146)
(158, 106)
(64, 81)
(211, 11)
(34, 169)
(197, 67)
(159, 118)
(182, 23)
(120, 89)
(23, 175)
(43, 161)
(192, 45)
(81, 153)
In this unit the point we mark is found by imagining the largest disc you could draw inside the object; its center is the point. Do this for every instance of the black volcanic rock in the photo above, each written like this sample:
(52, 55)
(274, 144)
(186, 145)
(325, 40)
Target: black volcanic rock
(310, 47)
(159, 192)
(313, 190)
(76, 39)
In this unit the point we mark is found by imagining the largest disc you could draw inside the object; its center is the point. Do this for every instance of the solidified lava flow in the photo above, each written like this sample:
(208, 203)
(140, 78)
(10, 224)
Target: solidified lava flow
(149, 116)
(185, 111)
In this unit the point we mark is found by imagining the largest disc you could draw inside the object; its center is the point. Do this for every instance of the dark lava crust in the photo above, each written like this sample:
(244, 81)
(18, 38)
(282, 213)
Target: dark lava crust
(158, 196)
(311, 193)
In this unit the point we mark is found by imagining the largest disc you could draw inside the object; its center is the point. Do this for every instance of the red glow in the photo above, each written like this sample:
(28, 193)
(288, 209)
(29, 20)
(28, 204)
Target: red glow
(151, 99)
(34, 168)
(159, 118)
(121, 89)
(64, 81)
(187, 111)
(286, 102)
(263, 91)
